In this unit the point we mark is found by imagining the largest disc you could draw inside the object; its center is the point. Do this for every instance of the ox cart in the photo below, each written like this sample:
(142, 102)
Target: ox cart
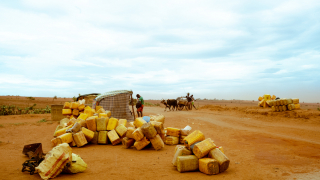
(182, 103)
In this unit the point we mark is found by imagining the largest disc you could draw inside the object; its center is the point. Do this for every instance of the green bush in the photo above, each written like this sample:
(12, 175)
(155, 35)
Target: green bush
(42, 120)
(30, 98)
(13, 110)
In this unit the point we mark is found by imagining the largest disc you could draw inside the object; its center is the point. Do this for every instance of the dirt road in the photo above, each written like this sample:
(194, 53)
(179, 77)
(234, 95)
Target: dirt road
(259, 146)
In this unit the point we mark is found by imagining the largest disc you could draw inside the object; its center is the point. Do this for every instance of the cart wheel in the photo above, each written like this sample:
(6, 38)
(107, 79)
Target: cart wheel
(180, 107)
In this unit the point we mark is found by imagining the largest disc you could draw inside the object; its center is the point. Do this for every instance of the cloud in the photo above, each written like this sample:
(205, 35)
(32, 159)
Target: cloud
(234, 50)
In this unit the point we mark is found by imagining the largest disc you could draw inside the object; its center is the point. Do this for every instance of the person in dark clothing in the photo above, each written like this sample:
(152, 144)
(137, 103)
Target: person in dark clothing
(189, 99)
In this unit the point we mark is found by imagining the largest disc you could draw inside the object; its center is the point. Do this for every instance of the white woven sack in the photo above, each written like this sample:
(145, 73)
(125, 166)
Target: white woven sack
(55, 161)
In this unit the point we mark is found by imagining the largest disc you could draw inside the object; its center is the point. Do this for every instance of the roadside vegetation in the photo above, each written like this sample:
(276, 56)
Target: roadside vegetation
(15, 110)
(151, 104)
(42, 120)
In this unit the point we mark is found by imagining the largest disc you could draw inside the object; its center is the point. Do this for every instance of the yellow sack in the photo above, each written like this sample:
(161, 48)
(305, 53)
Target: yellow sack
(100, 110)
(267, 97)
(66, 105)
(89, 111)
(98, 107)
(64, 121)
(83, 116)
(77, 165)
(158, 118)
(138, 122)
(112, 124)
(66, 111)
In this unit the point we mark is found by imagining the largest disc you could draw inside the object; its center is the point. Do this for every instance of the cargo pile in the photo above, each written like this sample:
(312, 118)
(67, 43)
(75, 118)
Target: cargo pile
(279, 105)
(199, 153)
(284, 104)
(141, 133)
(76, 109)
(174, 136)
(84, 125)
(264, 101)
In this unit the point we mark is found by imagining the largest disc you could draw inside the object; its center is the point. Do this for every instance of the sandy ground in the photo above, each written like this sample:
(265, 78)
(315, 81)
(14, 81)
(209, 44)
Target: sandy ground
(259, 143)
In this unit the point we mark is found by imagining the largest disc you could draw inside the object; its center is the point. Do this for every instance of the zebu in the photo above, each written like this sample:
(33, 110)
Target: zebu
(170, 103)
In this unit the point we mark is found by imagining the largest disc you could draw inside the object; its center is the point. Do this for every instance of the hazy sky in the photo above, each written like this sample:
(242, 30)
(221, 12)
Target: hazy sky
(161, 49)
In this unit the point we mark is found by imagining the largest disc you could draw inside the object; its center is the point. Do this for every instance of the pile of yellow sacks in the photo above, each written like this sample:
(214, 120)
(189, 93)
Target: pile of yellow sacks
(199, 153)
(84, 125)
(278, 105)
(285, 104)
(140, 133)
(75, 109)
(264, 101)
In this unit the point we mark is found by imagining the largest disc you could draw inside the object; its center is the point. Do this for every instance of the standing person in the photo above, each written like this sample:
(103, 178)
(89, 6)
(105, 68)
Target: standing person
(193, 102)
(94, 104)
(140, 109)
(189, 99)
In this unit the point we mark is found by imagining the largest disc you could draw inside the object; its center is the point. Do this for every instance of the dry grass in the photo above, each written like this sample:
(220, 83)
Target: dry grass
(18, 124)
(42, 120)
(151, 104)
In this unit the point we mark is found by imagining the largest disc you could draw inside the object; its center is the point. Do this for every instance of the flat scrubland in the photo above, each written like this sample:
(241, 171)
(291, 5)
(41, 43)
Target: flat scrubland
(260, 144)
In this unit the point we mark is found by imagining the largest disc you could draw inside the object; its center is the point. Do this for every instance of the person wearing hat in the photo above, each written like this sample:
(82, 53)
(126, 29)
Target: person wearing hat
(140, 109)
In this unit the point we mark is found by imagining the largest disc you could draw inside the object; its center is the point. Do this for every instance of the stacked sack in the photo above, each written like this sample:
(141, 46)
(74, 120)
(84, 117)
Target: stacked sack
(96, 126)
(174, 136)
(142, 133)
(91, 125)
(285, 104)
(75, 109)
(199, 153)
(264, 101)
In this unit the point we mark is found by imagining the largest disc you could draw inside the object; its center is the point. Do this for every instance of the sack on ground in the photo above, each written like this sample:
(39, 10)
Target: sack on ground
(76, 166)
(55, 161)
